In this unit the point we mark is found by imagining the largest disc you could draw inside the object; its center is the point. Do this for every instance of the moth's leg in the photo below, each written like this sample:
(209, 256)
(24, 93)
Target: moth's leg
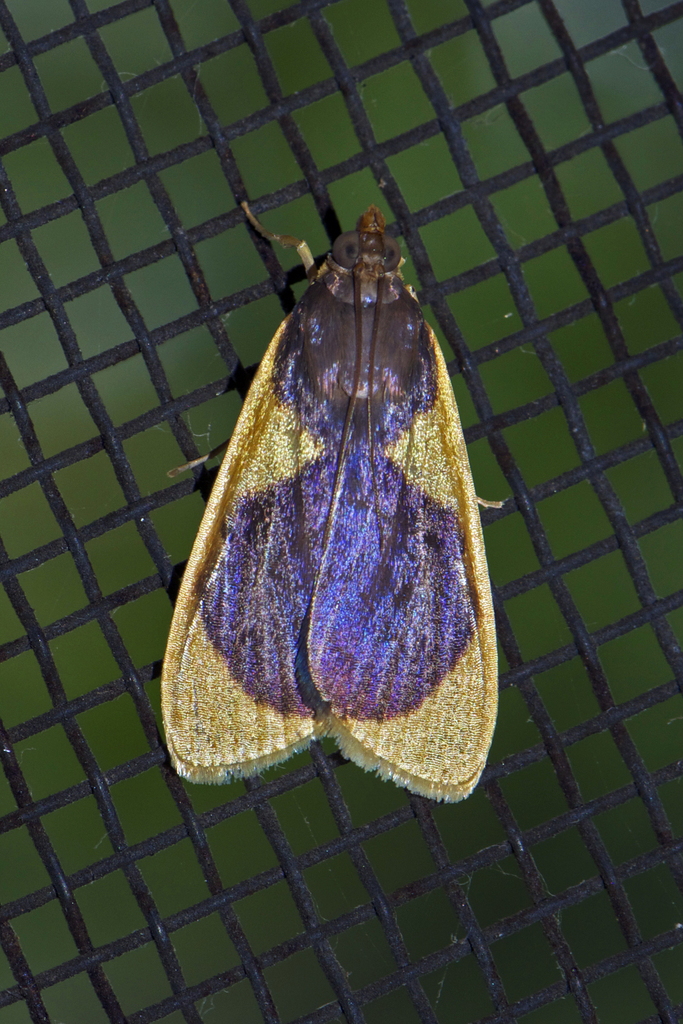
(198, 462)
(287, 241)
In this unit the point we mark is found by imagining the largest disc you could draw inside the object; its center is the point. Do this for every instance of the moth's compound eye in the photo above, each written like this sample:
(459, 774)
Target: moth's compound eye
(345, 250)
(392, 253)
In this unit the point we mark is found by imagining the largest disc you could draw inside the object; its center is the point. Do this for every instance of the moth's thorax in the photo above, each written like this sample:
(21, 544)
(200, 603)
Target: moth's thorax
(339, 281)
(330, 348)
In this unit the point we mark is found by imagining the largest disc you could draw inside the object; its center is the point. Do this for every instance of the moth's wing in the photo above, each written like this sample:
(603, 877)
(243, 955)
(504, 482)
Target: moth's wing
(229, 697)
(402, 639)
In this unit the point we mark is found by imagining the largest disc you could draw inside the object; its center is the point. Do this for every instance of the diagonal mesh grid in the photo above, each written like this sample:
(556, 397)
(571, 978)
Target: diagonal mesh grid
(301, 968)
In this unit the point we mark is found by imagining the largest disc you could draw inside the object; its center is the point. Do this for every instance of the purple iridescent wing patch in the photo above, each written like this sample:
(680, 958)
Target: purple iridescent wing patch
(392, 610)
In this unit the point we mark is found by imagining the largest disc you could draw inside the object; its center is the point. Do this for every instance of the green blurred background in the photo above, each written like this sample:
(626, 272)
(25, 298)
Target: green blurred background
(573, 517)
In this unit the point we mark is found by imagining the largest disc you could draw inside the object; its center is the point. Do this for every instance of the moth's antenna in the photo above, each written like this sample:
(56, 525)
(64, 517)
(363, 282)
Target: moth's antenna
(348, 422)
(307, 689)
(371, 388)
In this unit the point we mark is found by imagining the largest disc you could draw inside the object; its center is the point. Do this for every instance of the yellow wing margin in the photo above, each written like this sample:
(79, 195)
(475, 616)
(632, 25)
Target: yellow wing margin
(213, 729)
(439, 750)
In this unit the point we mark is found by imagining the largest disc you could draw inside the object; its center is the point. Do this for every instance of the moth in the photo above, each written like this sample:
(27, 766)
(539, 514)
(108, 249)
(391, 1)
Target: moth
(338, 584)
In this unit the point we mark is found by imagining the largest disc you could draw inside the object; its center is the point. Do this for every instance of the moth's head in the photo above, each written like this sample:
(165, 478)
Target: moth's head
(368, 248)
(371, 221)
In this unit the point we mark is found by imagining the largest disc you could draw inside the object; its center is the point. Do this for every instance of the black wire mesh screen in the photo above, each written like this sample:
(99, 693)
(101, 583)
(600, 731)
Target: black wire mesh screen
(529, 156)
